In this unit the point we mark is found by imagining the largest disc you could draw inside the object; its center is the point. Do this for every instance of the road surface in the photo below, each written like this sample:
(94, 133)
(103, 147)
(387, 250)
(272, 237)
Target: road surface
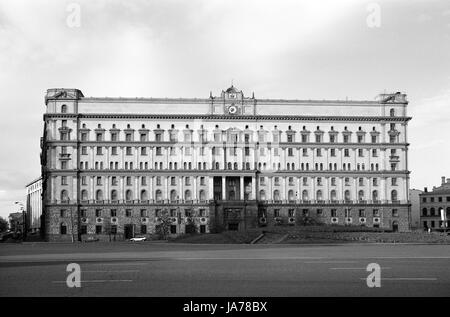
(165, 269)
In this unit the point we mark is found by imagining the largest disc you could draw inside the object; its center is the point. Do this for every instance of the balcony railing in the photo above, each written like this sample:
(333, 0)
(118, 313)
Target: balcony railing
(202, 201)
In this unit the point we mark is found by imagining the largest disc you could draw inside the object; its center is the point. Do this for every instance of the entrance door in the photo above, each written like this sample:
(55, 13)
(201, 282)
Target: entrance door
(129, 231)
(233, 226)
(395, 226)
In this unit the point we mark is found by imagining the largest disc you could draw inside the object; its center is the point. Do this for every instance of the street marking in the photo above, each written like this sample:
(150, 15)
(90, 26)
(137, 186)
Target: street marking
(96, 281)
(407, 278)
(331, 262)
(114, 271)
(355, 268)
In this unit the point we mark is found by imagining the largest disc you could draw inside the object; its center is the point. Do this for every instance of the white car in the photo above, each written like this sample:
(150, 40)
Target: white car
(138, 239)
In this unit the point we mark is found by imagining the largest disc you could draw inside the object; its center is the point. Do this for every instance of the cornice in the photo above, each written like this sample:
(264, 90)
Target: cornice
(226, 117)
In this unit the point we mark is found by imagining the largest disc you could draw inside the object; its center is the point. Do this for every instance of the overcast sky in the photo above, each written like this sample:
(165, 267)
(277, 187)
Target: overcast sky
(278, 49)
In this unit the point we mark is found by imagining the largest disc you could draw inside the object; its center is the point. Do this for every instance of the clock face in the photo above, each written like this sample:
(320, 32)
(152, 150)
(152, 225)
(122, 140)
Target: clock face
(232, 109)
(232, 96)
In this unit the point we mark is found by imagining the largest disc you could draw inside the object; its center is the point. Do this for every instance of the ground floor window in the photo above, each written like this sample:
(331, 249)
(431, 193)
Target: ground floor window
(202, 229)
(425, 224)
(83, 229)
(143, 229)
(63, 229)
(98, 229)
(173, 229)
(114, 229)
(319, 212)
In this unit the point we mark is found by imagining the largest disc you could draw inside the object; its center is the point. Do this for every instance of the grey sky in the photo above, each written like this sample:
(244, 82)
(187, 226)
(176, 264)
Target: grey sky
(278, 49)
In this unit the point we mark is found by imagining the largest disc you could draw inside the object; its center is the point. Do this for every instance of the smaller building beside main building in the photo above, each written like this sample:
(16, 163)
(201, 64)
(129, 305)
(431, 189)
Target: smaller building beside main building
(34, 205)
(435, 207)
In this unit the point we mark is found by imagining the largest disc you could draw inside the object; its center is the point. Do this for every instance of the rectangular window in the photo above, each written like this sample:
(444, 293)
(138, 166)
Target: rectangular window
(113, 229)
(129, 150)
(158, 150)
(360, 139)
(99, 150)
(276, 213)
(173, 229)
(99, 180)
(319, 152)
(290, 152)
(333, 152)
(143, 137)
(333, 213)
(304, 138)
(98, 212)
(84, 136)
(128, 137)
(114, 150)
(83, 229)
(84, 150)
(128, 213)
(394, 212)
(346, 138)
(113, 213)
(62, 213)
(305, 152)
(346, 152)
(374, 139)
(362, 213)
(143, 229)
(143, 150)
(99, 137)
(114, 137)
(360, 153)
(332, 139)
(63, 165)
(374, 153)
(83, 180)
(318, 138)
(143, 213)
(98, 229)
(319, 212)
(290, 138)
(63, 180)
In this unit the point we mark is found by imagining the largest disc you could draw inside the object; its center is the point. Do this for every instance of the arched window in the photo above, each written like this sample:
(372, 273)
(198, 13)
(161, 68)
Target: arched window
(347, 195)
(187, 195)
(432, 211)
(319, 195)
(262, 194)
(288, 166)
(293, 166)
(64, 195)
(305, 195)
(276, 194)
(202, 195)
(394, 195)
(158, 195)
(235, 166)
(64, 109)
(99, 195)
(144, 195)
(217, 165)
(173, 195)
(424, 212)
(114, 194)
(229, 165)
(129, 194)
(375, 195)
(361, 195)
(392, 112)
(291, 195)
(333, 195)
(84, 194)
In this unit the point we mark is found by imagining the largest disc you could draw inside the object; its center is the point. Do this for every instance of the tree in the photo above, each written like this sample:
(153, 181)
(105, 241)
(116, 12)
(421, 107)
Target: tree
(3, 224)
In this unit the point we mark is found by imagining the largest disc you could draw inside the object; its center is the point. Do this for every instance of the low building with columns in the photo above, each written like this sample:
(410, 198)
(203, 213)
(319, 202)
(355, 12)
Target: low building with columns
(114, 166)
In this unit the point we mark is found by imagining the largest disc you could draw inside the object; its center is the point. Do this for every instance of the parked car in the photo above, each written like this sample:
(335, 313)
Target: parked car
(138, 239)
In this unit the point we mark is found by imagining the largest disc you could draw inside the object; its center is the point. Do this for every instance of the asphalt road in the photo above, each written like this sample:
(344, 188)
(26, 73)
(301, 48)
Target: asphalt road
(150, 269)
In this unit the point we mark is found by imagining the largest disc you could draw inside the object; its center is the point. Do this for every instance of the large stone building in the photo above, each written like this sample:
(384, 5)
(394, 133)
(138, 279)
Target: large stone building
(34, 205)
(114, 166)
(435, 207)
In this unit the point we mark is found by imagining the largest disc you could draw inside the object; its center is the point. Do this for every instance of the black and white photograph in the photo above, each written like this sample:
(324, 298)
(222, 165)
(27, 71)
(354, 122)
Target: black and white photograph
(218, 155)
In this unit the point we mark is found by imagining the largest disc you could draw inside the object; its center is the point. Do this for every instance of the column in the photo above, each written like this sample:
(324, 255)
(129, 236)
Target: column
(253, 188)
(181, 191)
(224, 188)
(210, 188)
(241, 188)
(194, 194)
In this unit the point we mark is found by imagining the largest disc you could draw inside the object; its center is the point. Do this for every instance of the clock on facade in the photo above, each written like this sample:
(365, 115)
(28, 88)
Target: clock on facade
(232, 109)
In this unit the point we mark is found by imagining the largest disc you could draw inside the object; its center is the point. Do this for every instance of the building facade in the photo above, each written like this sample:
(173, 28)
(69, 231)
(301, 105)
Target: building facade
(414, 198)
(114, 166)
(34, 205)
(435, 207)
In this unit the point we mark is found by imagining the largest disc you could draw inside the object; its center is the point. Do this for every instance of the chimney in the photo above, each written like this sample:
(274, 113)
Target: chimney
(425, 190)
(443, 180)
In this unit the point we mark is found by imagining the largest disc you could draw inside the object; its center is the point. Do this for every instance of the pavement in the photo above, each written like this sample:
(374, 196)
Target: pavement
(170, 269)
